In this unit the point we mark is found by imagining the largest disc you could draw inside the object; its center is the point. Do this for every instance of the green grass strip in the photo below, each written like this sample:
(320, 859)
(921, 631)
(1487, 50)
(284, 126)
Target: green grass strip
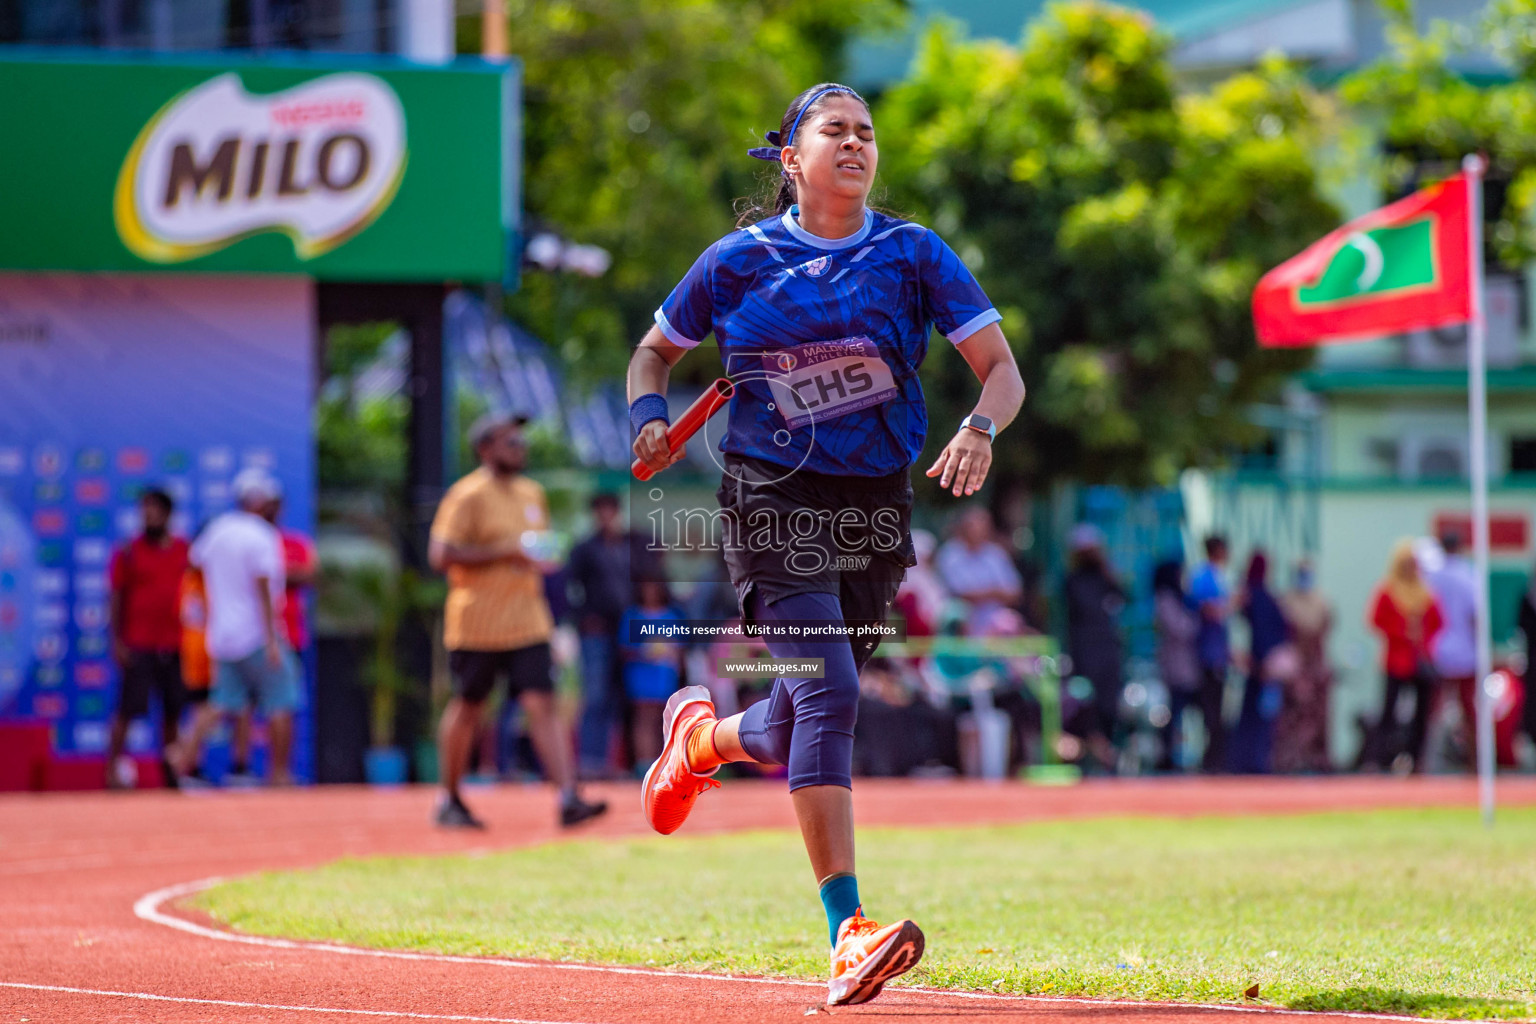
(1416, 912)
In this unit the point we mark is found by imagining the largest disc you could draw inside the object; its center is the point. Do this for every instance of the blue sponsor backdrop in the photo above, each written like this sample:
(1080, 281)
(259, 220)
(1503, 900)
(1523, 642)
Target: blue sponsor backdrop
(107, 384)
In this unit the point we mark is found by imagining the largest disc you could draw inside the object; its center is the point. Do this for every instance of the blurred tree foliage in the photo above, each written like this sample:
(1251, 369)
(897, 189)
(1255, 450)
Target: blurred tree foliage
(1120, 226)
(360, 439)
(636, 119)
(1430, 115)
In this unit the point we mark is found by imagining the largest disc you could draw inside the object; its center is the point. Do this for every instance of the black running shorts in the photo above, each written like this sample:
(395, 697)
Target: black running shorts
(527, 670)
(792, 532)
(149, 672)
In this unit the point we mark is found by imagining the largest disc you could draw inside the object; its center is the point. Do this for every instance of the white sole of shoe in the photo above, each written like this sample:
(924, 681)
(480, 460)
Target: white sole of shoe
(687, 695)
(896, 956)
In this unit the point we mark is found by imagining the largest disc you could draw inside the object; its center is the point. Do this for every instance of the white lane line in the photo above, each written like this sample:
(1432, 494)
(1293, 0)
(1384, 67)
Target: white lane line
(152, 997)
(147, 908)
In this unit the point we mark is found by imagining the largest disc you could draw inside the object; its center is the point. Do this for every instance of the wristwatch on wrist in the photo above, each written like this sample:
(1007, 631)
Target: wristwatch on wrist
(981, 425)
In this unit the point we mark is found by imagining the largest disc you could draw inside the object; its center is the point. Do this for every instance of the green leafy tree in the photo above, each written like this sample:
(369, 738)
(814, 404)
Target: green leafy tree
(636, 118)
(1120, 227)
(360, 439)
(1429, 114)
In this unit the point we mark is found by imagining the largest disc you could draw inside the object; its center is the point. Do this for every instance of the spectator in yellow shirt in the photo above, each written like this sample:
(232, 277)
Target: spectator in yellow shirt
(486, 537)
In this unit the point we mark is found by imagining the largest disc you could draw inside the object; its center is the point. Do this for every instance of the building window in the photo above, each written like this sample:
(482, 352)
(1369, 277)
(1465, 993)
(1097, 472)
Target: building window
(1441, 462)
(1522, 454)
(1384, 455)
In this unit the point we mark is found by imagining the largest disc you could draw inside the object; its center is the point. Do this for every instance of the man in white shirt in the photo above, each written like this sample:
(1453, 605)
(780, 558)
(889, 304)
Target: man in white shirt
(1454, 653)
(241, 557)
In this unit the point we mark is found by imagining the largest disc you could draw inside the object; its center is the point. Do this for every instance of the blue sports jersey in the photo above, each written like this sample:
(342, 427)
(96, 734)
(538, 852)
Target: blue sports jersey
(824, 337)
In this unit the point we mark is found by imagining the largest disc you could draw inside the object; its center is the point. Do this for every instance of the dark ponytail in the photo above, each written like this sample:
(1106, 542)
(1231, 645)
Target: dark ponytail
(778, 193)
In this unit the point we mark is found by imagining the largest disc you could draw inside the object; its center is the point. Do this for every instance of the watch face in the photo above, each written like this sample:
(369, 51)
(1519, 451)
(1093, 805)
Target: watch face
(979, 422)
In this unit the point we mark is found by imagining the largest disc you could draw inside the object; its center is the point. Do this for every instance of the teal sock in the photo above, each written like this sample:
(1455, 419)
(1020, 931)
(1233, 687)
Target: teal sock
(840, 895)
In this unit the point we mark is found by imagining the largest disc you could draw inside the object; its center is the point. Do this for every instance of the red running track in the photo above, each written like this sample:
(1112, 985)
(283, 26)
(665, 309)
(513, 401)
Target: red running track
(72, 868)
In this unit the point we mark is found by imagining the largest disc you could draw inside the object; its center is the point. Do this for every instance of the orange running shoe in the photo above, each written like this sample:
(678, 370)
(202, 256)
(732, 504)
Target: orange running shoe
(670, 786)
(867, 956)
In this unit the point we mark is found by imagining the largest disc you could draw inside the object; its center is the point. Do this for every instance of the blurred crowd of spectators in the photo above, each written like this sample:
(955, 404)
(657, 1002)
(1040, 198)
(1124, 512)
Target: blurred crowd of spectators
(974, 702)
(1282, 719)
(977, 706)
(209, 628)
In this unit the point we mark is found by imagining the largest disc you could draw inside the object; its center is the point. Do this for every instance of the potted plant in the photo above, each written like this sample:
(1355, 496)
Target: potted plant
(383, 598)
(398, 597)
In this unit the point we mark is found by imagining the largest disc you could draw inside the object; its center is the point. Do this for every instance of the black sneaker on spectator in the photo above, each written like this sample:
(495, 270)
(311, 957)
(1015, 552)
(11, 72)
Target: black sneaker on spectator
(193, 782)
(575, 810)
(451, 813)
(168, 774)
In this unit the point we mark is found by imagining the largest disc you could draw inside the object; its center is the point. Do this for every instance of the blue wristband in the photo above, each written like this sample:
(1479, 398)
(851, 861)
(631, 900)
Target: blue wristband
(646, 408)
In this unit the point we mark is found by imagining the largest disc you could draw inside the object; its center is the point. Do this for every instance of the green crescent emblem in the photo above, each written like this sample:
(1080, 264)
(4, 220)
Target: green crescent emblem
(1372, 263)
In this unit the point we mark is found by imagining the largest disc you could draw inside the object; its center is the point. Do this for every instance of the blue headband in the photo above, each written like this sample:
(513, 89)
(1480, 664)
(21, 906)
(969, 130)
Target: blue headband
(775, 148)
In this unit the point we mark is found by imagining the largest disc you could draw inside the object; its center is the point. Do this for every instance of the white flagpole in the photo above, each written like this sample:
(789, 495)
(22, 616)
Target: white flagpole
(1477, 400)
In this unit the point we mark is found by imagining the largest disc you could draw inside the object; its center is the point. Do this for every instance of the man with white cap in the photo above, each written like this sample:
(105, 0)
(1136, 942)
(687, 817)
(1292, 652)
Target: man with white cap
(241, 557)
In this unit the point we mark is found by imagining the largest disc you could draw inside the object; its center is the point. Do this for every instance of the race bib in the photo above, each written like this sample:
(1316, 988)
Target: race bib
(827, 379)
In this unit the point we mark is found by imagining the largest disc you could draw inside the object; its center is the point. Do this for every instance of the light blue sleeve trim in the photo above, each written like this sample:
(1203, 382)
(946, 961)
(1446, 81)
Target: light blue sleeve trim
(971, 326)
(676, 338)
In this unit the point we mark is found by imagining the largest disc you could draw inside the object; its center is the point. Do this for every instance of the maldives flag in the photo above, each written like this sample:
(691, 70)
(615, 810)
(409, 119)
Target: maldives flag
(1404, 267)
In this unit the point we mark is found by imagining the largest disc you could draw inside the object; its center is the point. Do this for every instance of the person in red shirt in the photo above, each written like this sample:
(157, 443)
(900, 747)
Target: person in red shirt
(146, 625)
(302, 565)
(1406, 615)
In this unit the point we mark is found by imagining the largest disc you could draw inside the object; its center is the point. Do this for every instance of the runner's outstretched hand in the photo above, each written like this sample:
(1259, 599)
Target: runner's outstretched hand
(964, 462)
(651, 447)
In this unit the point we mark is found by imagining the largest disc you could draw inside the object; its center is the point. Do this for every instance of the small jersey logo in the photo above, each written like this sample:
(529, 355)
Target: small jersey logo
(787, 362)
(817, 266)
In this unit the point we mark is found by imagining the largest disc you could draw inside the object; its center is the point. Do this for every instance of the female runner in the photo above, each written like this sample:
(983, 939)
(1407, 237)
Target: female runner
(822, 311)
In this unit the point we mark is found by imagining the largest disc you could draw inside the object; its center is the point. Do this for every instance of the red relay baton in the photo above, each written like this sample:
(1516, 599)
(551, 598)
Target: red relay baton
(688, 424)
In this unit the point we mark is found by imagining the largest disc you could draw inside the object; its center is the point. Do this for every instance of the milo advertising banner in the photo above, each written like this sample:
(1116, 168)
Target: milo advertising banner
(386, 172)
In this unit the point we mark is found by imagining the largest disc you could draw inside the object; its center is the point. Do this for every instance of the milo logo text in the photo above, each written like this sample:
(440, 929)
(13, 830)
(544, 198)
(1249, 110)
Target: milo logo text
(318, 162)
